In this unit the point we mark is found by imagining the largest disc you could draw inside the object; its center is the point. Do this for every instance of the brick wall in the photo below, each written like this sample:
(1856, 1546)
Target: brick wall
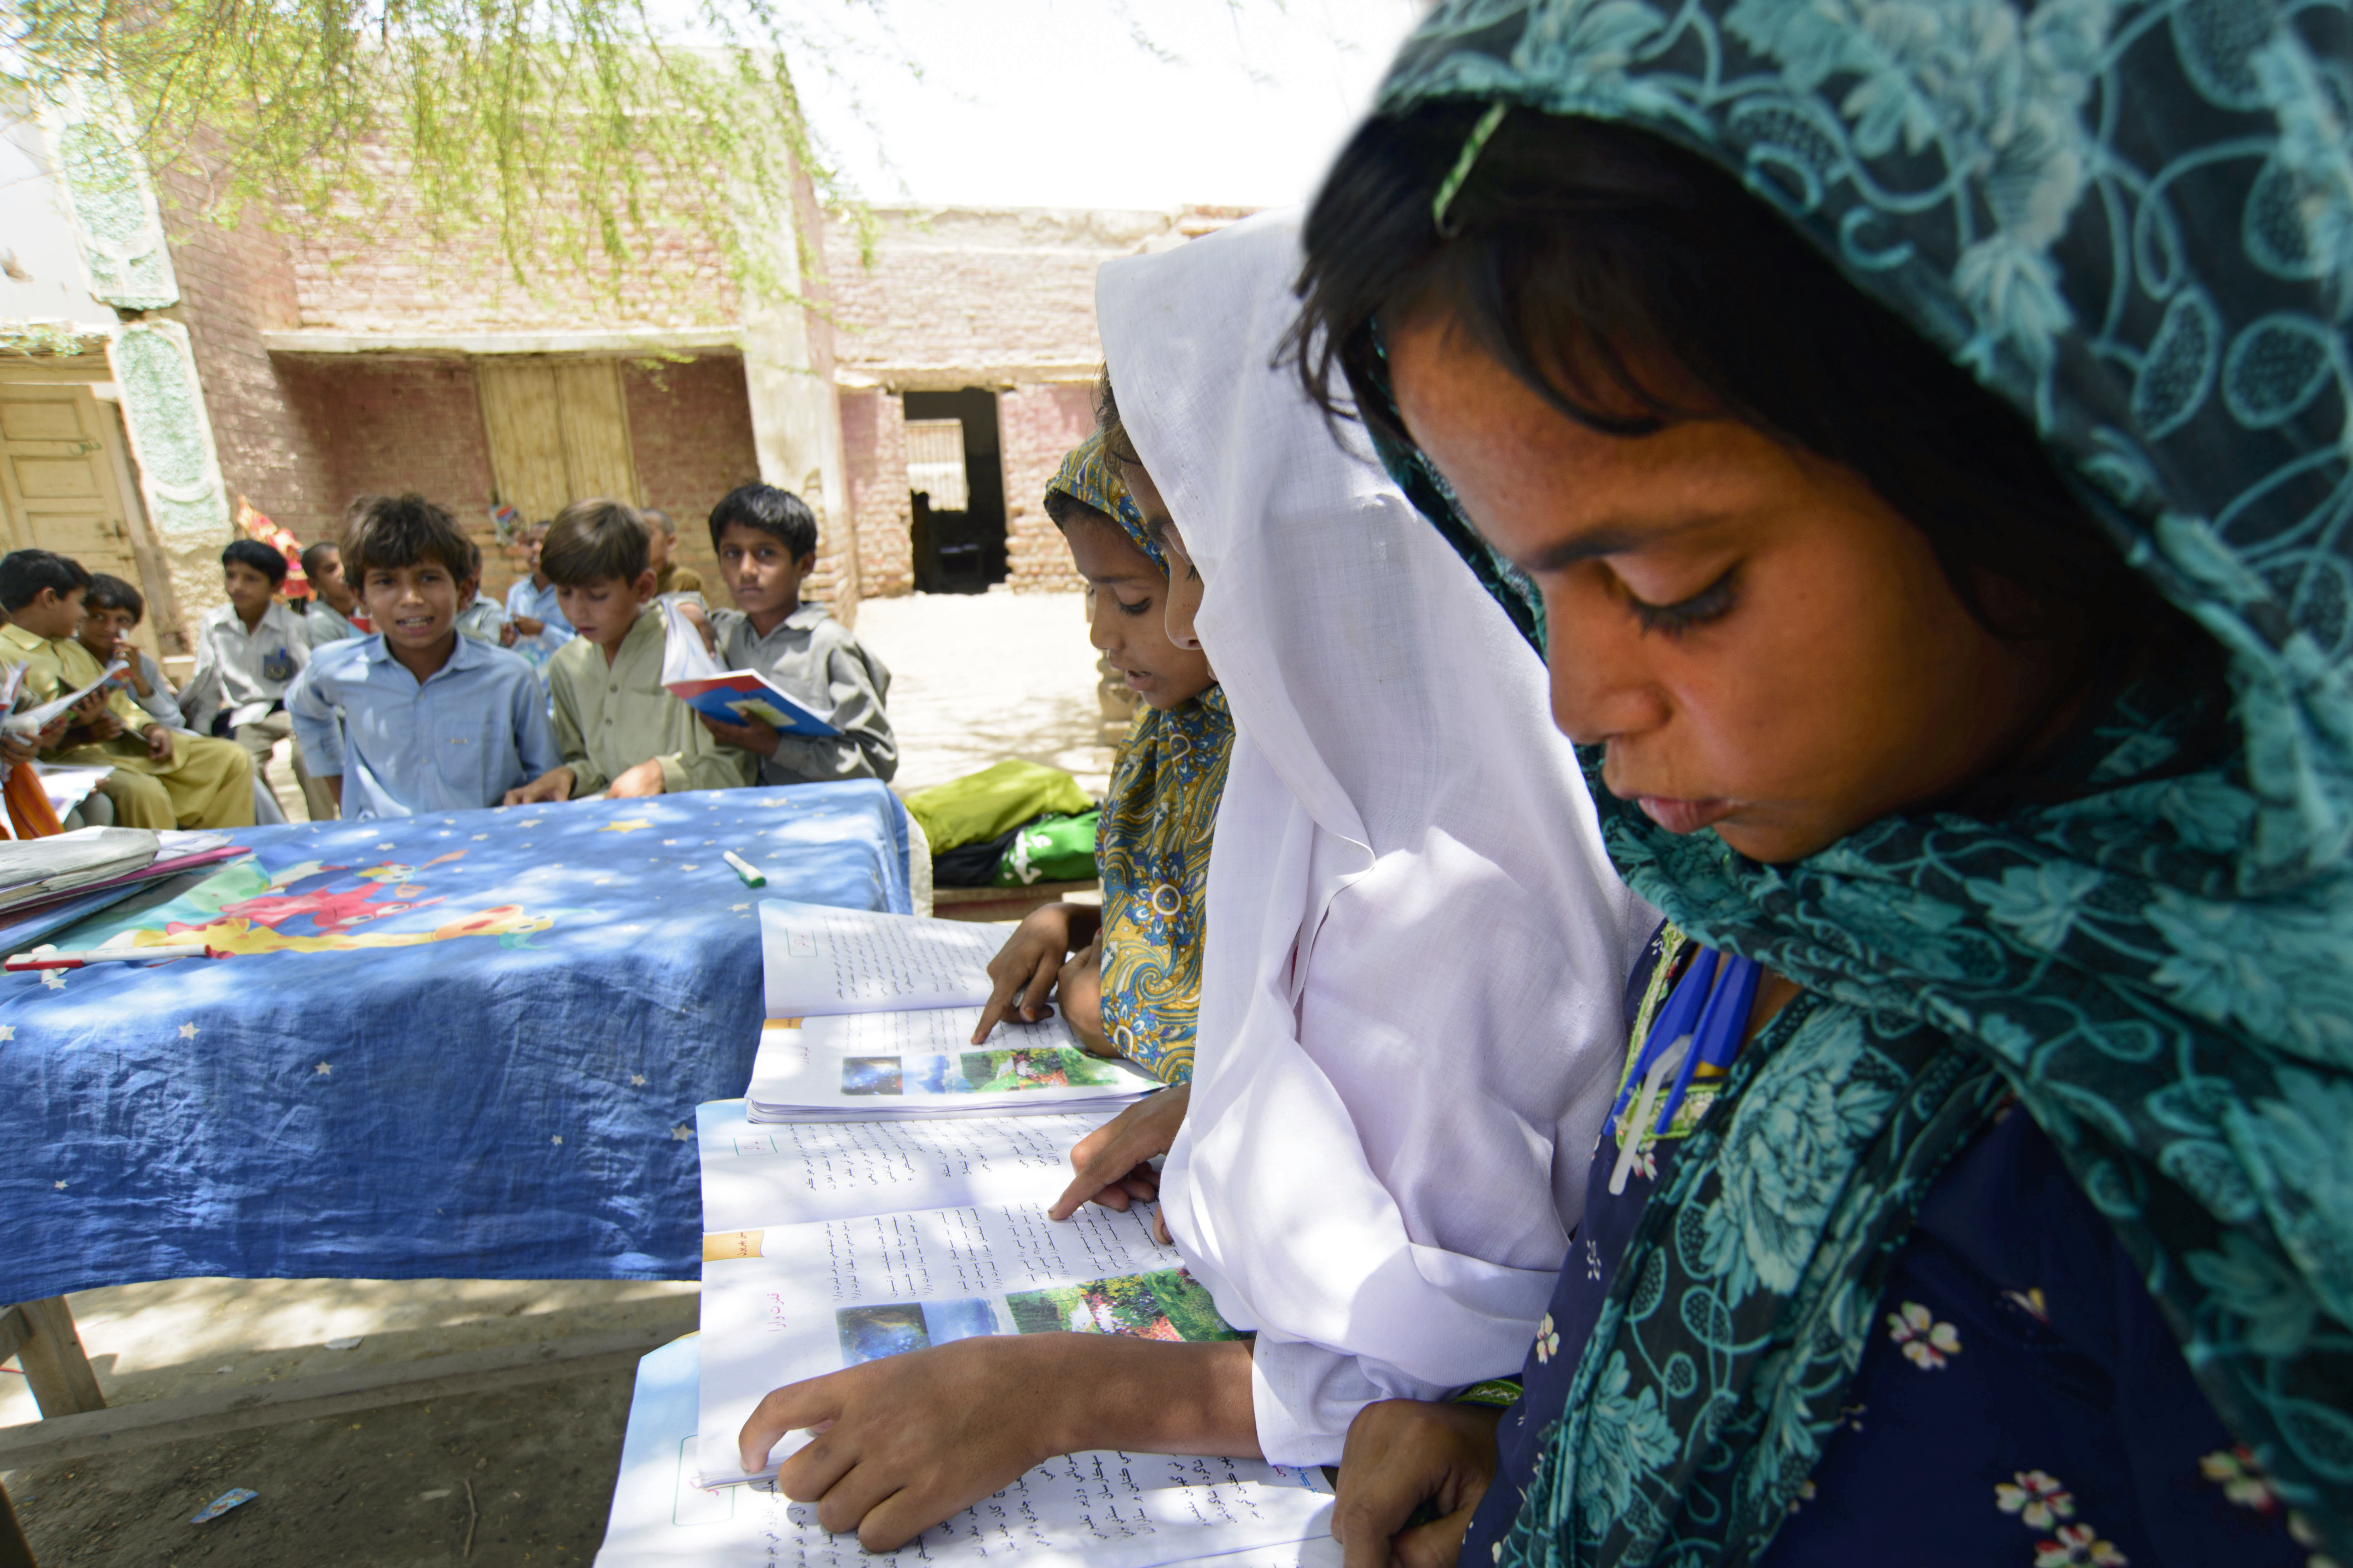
(874, 465)
(976, 297)
(959, 295)
(236, 283)
(393, 425)
(1040, 425)
(395, 277)
(691, 430)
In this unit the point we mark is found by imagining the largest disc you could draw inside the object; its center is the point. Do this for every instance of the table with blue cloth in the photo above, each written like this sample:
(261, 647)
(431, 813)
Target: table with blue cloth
(463, 1046)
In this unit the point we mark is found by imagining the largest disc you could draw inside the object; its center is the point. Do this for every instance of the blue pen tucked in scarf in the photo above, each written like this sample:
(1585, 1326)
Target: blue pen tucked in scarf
(2134, 223)
(1152, 842)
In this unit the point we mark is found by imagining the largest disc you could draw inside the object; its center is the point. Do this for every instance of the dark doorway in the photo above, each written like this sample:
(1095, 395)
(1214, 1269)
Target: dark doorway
(961, 550)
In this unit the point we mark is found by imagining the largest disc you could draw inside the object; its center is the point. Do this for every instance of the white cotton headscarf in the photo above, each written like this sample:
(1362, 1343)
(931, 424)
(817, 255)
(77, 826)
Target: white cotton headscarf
(1411, 1005)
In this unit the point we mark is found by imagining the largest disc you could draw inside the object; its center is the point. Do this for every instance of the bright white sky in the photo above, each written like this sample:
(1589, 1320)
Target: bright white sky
(1057, 103)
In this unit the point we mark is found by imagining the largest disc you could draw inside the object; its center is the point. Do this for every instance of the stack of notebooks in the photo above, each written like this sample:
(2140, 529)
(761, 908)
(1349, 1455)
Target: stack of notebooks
(33, 869)
(850, 1215)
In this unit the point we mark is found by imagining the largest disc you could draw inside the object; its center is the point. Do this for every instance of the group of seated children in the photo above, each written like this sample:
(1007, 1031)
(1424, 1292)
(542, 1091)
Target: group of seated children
(64, 626)
(406, 690)
(416, 717)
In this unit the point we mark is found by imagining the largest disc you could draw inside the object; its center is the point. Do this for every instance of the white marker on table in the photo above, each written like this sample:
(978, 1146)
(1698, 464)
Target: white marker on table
(49, 957)
(752, 875)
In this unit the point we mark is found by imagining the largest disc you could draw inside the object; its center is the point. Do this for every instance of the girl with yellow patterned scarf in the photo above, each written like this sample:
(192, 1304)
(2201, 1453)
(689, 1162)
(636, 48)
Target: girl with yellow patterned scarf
(1133, 988)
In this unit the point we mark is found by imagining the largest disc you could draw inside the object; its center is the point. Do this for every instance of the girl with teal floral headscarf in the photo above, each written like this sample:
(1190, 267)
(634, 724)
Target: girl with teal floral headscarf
(1152, 840)
(1920, 436)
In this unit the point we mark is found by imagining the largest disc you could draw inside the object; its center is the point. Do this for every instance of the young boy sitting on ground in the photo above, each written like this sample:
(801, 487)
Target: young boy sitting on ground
(669, 578)
(247, 653)
(620, 730)
(158, 779)
(482, 617)
(535, 623)
(110, 612)
(766, 542)
(329, 617)
(429, 720)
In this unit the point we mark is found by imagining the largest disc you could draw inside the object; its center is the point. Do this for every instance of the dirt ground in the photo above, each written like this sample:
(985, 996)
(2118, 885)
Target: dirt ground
(385, 1486)
(975, 679)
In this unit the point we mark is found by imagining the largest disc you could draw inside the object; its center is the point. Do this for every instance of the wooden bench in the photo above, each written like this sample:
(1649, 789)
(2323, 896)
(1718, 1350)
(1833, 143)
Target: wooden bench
(1009, 903)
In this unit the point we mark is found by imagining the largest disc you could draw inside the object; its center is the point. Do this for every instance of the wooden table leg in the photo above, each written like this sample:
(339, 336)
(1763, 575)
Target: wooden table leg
(41, 1335)
(16, 1551)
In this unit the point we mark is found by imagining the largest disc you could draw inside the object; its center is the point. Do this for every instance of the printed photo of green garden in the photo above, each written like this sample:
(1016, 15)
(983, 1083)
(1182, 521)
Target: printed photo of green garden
(1167, 1305)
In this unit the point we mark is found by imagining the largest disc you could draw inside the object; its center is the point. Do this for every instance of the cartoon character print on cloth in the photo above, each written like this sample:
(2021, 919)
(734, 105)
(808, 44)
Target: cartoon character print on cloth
(2134, 221)
(312, 907)
(1152, 841)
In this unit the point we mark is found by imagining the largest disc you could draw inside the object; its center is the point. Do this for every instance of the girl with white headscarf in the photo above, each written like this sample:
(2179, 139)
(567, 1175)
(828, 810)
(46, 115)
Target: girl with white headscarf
(1411, 1017)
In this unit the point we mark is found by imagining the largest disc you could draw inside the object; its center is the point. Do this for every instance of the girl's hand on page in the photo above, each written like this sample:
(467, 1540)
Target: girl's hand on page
(1022, 974)
(906, 1441)
(1401, 1453)
(1114, 1160)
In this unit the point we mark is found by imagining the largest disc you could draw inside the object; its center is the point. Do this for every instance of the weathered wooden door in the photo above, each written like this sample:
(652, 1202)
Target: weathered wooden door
(558, 431)
(60, 483)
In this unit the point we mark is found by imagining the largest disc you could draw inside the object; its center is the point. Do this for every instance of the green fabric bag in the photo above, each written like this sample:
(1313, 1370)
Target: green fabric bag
(1060, 849)
(995, 801)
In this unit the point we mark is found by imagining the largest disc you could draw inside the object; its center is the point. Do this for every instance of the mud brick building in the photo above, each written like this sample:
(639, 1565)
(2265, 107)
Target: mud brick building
(155, 368)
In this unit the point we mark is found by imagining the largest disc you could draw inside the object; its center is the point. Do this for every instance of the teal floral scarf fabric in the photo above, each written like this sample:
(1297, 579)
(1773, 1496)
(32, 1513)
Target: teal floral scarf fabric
(2135, 221)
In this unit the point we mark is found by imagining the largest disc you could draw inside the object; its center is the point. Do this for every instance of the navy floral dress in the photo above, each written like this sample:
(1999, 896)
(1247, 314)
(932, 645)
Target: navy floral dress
(2022, 1401)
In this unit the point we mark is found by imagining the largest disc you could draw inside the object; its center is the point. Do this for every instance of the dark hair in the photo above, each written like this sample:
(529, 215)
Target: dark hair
(770, 511)
(595, 542)
(259, 556)
(25, 573)
(1063, 508)
(1588, 257)
(113, 593)
(1109, 425)
(656, 518)
(392, 531)
(314, 557)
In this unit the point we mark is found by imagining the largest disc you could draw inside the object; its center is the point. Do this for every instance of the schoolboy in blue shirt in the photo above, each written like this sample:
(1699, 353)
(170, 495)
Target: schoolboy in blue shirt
(430, 720)
(766, 541)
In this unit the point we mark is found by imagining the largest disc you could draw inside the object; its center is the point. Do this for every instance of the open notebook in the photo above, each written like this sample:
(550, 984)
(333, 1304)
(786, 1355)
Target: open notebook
(813, 1298)
(661, 1518)
(762, 1173)
(887, 1067)
(818, 958)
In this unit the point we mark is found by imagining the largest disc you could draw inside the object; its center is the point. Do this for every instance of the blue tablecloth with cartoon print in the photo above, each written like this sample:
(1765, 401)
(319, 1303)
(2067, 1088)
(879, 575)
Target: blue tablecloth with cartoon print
(464, 1046)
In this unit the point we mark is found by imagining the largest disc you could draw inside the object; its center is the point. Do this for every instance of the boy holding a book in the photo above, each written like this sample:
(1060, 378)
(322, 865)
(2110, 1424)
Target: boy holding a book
(159, 779)
(110, 612)
(620, 730)
(415, 717)
(766, 541)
